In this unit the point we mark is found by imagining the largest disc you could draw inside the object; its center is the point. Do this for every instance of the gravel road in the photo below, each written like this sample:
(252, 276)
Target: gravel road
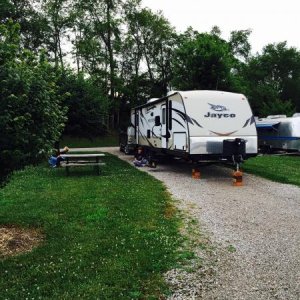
(255, 230)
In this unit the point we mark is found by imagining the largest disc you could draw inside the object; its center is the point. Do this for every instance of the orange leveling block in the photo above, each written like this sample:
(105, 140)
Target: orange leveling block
(196, 173)
(237, 178)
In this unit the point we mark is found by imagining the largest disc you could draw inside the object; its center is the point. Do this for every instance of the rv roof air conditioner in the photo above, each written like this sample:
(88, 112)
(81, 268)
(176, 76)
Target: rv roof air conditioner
(276, 116)
(296, 115)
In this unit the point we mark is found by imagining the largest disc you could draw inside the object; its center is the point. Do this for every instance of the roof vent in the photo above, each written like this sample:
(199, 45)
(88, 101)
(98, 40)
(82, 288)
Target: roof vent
(152, 100)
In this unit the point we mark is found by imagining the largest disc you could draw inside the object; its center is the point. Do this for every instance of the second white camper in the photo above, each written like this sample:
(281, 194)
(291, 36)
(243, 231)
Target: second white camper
(199, 125)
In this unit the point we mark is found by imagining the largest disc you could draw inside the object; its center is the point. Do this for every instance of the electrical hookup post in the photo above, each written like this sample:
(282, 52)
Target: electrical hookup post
(236, 150)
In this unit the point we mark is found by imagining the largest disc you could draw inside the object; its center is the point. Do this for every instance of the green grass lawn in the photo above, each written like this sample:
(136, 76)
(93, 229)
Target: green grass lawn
(106, 237)
(284, 169)
(80, 142)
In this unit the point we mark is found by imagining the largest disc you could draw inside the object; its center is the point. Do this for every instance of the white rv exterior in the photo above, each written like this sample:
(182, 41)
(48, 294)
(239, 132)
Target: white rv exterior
(279, 132)
(195, 124)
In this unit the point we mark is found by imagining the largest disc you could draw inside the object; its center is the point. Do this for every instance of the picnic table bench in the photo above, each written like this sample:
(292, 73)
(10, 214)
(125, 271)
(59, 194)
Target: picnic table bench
(81, 160)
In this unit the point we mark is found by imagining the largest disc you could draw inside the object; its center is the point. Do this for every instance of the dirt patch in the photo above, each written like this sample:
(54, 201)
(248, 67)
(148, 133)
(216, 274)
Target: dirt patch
(15, 240)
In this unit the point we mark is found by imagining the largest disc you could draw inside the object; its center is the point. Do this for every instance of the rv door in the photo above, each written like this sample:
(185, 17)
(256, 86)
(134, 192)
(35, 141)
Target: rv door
(163, 118)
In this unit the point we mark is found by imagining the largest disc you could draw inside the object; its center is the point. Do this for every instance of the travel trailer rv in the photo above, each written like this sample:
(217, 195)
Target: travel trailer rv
(197, 125)
(279, 132)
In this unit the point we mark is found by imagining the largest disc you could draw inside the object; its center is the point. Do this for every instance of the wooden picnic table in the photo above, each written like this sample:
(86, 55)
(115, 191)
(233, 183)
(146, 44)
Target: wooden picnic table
(79, 160)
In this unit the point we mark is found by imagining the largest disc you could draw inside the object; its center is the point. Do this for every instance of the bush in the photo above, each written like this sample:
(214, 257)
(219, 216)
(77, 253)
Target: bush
(31, 115)
(87, 106)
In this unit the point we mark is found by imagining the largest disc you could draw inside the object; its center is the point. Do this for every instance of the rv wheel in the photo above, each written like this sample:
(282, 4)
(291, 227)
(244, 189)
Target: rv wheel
(126, 150)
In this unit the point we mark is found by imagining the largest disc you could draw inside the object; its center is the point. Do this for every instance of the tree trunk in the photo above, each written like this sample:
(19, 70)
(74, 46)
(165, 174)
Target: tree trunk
(60, 52)
(55, 51)
(110, 51)
(148, 65)
(77, 54)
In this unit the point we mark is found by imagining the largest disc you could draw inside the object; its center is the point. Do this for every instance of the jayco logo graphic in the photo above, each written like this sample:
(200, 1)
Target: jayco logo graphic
(218, 108)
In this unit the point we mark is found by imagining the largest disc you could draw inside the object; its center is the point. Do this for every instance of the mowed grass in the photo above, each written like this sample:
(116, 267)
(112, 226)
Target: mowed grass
(106, 237)
(81, 142)
(285, 169)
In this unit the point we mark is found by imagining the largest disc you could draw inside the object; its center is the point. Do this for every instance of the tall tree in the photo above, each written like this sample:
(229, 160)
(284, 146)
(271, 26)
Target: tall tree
(57, 13)
(146, 54)
(274, 75)
(99, 42)
(240, 45)
(202, 61)
(155, 38)
(33, 26)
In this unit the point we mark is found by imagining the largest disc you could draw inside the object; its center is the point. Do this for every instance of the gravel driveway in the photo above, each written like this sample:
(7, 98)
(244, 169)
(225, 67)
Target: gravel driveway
(255, 230)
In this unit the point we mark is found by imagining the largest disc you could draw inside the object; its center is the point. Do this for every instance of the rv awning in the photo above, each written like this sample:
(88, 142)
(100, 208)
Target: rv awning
(267, 125)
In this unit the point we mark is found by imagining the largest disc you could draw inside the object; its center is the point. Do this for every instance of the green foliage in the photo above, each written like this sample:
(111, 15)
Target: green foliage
(239, 43)
(106, 237)
(87, 106)
(33, 26)
(202, 61)
(231, 249)
(31, 118)
(98, 41)
(148, 41)
(277, 107)
(272, 76)
(132, 54)
(58, 21)
(154, 38)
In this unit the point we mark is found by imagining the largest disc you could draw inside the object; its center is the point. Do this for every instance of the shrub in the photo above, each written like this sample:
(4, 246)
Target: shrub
(87, 106)
(31, 115)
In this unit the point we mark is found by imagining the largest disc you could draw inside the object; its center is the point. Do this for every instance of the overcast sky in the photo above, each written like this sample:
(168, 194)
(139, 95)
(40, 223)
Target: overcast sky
(270, 21)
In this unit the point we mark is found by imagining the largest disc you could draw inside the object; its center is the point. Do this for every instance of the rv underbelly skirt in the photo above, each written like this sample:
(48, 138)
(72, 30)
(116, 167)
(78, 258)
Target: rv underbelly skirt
(214, 145)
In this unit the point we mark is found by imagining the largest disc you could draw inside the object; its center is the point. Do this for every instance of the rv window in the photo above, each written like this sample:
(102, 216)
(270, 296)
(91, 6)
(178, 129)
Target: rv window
(157, 120)
(164, 116)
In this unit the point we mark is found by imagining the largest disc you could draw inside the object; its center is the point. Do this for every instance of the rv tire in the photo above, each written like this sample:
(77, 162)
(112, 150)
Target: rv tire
(126, 150)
